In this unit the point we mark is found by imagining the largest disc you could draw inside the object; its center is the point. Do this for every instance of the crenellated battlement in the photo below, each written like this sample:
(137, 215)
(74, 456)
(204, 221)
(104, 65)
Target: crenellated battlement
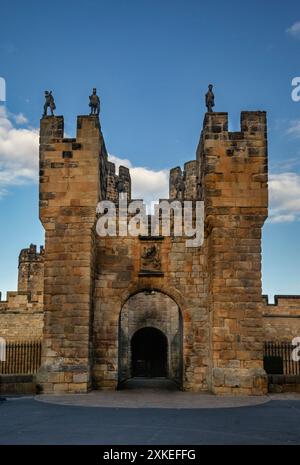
(31, 254)
(72, 170)
(31, 271)
(233, 166)
(253, 124)
(117, 183)
(250, 141)
(68, 166)
(183, 184)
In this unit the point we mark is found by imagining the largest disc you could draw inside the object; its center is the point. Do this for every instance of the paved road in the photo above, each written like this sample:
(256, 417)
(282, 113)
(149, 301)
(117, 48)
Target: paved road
(153, 393)
(27, 421)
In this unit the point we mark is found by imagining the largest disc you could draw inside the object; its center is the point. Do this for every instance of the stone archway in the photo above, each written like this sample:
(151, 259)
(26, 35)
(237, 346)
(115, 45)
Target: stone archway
(154, 317)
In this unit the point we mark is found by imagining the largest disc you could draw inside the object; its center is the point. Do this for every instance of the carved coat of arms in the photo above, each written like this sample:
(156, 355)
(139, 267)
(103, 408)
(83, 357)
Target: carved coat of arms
(150, 258)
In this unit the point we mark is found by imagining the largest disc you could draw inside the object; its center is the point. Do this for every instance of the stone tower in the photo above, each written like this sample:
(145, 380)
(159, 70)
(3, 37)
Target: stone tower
(202, 305)
(233, 174)
(70, 187)
(30, 275)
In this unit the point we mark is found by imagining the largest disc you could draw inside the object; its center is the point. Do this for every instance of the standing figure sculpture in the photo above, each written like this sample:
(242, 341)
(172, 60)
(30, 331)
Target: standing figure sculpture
(94, 103)
(210, 99)
(49, 102)
(180, 188)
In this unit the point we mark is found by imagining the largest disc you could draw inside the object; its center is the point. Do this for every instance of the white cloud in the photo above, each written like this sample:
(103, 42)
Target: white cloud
(147, 184)
(18, 153)
(284, 190)
(294, 30)
(20, 119)
(281, 218)
(294, 129)
(119, 161)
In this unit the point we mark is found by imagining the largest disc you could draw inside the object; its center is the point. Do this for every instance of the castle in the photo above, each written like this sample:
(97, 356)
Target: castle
(106, 311)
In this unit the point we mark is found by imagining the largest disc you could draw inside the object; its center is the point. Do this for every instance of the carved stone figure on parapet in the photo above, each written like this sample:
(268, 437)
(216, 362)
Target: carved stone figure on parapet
(49, 103)
(210, 99)
(120, 186)
(94, 103)
(180, 188)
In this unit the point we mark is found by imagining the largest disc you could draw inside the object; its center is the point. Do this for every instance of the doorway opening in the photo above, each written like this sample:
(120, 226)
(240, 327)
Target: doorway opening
(149, 353)
(150, 341)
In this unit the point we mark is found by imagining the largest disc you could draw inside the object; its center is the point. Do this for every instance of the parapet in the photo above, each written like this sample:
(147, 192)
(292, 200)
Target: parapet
(117, 183)
(31, 270)
(252, 124)
(72, 170)
(31, 254)
(215, 123)
(183, 184)
(22, 302)
(52, 128)
(284, 301)
(233, 166)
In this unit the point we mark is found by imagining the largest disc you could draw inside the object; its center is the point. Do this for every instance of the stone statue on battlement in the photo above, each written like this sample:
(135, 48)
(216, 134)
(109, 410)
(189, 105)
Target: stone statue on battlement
(180, 188)
(210, 99)
(49, 103)
(120, 186)
(94, 103)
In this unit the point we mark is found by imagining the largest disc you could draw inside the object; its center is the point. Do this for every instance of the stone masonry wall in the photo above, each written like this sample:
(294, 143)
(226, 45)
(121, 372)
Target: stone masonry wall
(233, 184)
(183, 185)
(182, 277)
(21, 315)
(281, 319)
(17, 326)
(117, 183)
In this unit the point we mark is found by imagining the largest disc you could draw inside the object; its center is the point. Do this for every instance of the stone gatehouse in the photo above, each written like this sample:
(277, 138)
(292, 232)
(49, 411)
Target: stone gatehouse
(118, 307)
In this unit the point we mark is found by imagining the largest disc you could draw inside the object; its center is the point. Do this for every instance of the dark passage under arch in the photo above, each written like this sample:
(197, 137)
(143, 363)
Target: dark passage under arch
(149, 353)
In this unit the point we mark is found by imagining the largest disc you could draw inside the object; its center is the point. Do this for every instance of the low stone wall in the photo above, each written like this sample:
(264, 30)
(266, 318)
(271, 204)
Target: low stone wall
(20, 317)
(17, 384)
(284, 383)
(15, 326)
(280, 328)
(282, 319)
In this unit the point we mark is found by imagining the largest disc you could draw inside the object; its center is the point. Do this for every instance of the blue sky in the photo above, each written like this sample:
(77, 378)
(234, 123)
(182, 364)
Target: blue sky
(151, 62)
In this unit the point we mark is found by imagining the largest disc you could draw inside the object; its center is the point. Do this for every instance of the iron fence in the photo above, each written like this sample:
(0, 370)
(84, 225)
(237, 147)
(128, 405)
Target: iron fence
(278, 359)
(21, 357)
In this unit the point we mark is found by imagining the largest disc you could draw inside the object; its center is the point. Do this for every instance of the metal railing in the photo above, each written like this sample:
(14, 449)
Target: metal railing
(278, 359)
(21, 357)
